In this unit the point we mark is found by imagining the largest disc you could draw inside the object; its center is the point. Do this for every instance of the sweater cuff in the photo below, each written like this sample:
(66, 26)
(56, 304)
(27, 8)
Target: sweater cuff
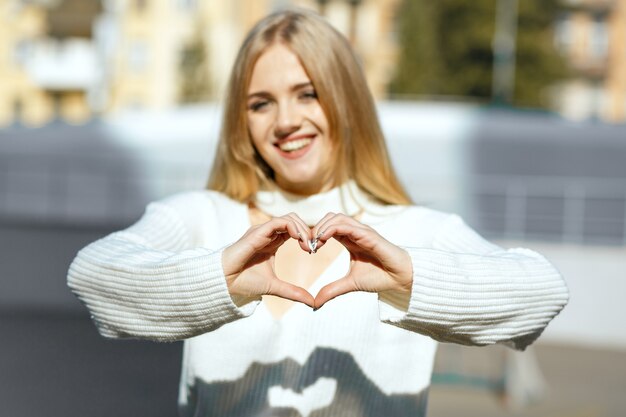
(509, 296)
(190, 298)
(236, 306)
(426, 308)
(428, 267)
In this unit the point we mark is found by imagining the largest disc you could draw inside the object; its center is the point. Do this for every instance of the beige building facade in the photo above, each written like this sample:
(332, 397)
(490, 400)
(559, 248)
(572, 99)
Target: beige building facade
(592, 36)
(19, 95)
(78, 59)
(128, 54)
(49, 66)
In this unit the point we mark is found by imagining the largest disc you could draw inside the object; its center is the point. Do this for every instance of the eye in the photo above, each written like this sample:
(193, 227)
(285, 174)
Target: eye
(258, 105)
(308, 95)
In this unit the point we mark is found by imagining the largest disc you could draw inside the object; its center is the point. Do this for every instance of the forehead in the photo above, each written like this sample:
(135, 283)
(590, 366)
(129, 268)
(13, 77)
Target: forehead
(278, 68)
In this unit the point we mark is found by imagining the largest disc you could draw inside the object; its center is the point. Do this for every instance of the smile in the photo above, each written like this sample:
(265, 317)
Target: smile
(294, 145)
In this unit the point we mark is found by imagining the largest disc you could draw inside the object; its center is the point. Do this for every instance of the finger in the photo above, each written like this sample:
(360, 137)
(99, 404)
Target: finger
(291, 292)
(263, 238)
(319, 231)
(341, 225)
(334, 289)
(304, 233)
(322, 226)
(370, 243)
(346, 243)
(278, 225)
(315, 231)
(354, 233)
(277, 242)
(302, 226)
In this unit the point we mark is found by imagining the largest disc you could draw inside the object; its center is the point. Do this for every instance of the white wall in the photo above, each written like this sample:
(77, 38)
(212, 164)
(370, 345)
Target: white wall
(596, 277)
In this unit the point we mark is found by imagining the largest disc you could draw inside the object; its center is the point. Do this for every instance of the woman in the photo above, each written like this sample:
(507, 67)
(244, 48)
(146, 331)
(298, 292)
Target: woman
(302, 167)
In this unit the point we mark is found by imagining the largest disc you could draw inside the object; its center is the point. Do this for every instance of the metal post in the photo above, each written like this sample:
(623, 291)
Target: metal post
(574, 214)
(503, 81)
(352, 27)
(624, 224)
(322, 6)
(516, 195)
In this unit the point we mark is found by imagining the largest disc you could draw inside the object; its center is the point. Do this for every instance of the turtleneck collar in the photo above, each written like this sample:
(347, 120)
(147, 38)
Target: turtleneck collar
(347, 198)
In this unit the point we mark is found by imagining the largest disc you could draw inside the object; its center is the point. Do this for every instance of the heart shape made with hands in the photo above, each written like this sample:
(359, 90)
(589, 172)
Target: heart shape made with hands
(376, 265)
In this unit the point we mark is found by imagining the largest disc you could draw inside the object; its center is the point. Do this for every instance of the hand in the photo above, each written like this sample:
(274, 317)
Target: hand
(249, 263)
(376, 265)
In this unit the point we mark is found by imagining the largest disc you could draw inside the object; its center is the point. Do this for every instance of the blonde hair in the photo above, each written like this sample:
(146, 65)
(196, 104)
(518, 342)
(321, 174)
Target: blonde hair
(239, 171)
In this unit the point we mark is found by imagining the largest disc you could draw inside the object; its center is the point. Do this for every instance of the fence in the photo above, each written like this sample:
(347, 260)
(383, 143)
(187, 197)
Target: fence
(579, 210)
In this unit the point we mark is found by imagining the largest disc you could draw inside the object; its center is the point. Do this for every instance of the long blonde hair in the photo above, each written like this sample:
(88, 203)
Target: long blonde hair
(239, 171)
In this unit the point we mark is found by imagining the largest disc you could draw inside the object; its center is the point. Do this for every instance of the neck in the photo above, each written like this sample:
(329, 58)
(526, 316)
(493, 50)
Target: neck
(315, 186)
(347, 198)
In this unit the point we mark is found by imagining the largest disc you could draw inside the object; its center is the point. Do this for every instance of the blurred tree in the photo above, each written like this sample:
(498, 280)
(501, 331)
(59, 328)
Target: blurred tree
(195, 81)
(539, 65)
(446, 49)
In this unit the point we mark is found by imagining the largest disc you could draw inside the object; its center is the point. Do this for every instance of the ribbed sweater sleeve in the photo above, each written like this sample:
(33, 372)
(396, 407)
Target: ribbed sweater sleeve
(469, 291)
(148, 281)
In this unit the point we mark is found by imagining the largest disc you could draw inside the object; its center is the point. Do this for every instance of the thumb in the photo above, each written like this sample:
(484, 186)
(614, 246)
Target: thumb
(334, 289)
(291, 292)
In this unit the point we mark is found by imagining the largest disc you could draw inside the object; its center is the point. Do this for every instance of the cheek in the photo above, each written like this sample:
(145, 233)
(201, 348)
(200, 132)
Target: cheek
(320, 119)
(257, 127)
(253, 131)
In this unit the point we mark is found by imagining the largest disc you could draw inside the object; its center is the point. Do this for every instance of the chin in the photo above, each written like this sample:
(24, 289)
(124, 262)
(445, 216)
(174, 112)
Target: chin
(300, 183)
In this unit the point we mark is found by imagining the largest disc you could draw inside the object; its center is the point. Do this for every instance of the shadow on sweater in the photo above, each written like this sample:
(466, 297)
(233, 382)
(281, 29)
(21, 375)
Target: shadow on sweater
(348, 390)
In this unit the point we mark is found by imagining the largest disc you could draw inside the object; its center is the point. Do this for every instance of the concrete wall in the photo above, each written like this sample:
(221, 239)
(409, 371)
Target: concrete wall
(596, 277)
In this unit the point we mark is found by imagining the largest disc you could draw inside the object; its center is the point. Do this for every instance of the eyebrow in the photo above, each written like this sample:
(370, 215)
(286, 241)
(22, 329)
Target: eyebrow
(294, 87)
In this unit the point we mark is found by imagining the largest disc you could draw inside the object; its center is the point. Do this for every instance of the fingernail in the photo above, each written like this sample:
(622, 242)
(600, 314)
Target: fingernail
(313, 245)
(300, 236)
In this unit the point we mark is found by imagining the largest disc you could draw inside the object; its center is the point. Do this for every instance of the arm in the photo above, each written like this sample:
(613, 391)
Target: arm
(469, 291)
(149, 282)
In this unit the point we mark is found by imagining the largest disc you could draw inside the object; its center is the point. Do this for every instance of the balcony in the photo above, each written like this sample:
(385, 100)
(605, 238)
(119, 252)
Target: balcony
(70, 64)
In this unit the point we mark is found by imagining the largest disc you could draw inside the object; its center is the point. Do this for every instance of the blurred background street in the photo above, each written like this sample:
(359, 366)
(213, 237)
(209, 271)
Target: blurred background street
(512, 114)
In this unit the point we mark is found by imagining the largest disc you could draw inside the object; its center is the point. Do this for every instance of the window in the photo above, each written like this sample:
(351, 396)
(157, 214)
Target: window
(563, 33)
(599, 38)
(187, 5)
(137, 56)
(21, 52)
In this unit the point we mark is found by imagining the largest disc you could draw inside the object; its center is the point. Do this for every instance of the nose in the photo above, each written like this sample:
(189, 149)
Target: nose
(288, 120)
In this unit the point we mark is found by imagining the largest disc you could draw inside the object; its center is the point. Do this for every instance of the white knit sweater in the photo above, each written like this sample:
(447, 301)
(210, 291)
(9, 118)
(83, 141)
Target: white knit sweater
(362, 354)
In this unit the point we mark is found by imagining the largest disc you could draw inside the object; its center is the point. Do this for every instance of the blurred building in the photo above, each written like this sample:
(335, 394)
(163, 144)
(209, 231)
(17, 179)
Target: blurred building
(72, 59)
(50, 65)
(592, 36)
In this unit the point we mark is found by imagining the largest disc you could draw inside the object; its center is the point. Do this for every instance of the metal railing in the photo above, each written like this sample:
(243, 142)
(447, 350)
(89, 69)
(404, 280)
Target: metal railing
(580, 210)
(106, 190)
(99, 190)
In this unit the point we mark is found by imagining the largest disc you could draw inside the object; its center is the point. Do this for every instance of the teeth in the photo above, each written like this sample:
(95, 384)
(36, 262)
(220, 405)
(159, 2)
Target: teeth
(294, 145)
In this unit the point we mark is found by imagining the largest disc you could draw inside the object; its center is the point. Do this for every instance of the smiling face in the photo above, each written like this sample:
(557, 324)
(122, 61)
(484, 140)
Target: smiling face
(287, 124)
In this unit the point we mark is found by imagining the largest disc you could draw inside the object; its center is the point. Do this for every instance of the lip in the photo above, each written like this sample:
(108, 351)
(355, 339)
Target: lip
(300, 152)
(295, 137)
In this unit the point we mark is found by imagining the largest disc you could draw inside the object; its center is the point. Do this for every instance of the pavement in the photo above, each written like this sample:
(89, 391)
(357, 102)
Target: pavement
(578, 382)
